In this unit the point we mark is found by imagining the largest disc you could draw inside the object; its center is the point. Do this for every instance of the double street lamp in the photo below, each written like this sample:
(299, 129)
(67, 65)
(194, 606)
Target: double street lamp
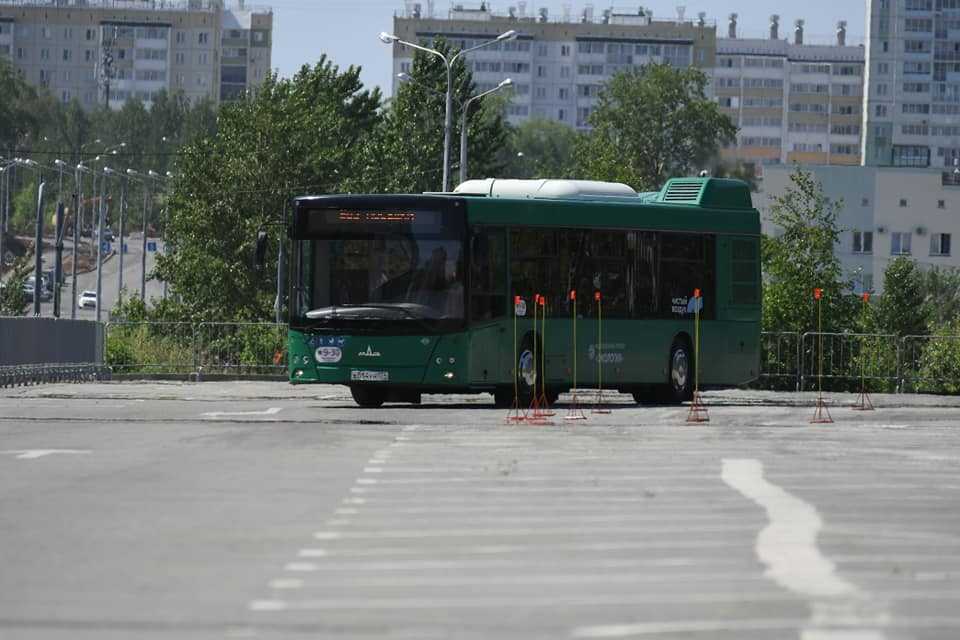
(388, 38)
(406, 77)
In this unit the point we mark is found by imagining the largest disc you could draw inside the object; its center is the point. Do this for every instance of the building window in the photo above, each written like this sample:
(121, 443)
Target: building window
(564, 72)
(940, 244)
(46, 33)
(203, 38)
(941, 204)
(903, 202)
(44, 54)
(541, 71)
(864, 202)
(90, 35)
(561, 115)
(564, 50)
(863, 241)
(67, 55)
(899, 243)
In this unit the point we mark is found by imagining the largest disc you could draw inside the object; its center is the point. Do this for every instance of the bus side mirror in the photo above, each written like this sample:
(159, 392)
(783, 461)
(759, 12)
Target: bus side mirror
(260, 251)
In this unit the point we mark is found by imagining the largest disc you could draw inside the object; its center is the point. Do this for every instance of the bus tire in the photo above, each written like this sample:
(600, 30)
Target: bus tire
(680, 368)
(368, 397)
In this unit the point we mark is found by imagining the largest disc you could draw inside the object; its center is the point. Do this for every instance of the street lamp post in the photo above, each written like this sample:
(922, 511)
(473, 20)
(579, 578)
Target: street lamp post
(463, 124)
(103, 182)
(123, 212)
(388, 38)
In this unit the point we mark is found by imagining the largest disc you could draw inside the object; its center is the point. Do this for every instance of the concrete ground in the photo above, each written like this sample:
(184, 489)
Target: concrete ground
(262, 510)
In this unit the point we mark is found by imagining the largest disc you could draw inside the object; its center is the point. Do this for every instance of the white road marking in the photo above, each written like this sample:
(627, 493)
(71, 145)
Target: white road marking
(286, 583)
(346, 511)
(788, 548)
(33, 454)
(327, 535)
(689, 626)
(313, 553)
(219, 414)
(372, 469)
(366, 481)
(268, 605)
(301, 566)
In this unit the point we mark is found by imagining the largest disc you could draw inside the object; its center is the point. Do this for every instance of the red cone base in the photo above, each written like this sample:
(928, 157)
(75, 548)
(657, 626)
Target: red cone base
(698, 410)
(516, 414)
(863, 402)
(600, 406)
(821, 414)
(537, 415)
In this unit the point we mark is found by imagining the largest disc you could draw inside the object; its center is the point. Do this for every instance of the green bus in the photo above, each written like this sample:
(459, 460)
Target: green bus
(399, 295)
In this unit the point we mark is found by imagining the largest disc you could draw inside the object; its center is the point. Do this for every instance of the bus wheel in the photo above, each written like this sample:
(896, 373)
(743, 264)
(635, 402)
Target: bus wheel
(681, 372)
(368, 397)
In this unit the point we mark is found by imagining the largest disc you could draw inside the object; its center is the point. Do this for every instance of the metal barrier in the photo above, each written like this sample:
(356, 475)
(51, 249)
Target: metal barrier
(32, 374)
(930, 364)
(241, 348)
(780, 358)
(848, 356)
(151, 347)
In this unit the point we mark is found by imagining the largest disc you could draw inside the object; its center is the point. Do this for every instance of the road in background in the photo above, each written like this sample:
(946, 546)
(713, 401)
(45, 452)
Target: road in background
(111, 266)
(262, 510)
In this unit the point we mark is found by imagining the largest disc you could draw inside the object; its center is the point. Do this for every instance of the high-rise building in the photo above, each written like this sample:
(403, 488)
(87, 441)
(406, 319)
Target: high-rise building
(792, 101)
(912, 113)
(108, 51)
(557, 64)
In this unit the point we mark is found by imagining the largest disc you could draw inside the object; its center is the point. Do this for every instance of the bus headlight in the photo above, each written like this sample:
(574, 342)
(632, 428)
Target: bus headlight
(448, 375)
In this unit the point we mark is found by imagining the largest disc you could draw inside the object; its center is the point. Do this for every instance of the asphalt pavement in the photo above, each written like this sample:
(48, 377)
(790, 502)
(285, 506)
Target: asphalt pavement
(262, 510)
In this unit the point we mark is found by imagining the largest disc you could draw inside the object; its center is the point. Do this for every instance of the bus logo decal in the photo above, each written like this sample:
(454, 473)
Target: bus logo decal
(369, 353)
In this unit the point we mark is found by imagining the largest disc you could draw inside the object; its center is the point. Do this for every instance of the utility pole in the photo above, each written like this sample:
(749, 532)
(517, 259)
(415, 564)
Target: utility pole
(58, 260)
(123, 210)
(38, 258)
(143, 253)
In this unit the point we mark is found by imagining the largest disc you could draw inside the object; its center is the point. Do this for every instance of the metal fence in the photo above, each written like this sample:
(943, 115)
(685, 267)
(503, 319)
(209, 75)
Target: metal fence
(884, 362)
(206, 348)
(31, 374)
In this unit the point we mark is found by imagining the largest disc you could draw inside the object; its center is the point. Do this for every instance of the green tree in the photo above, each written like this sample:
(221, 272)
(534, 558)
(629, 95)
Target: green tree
(802, 258)
(901, 309)
(13, 302)
(739, 170)
(941, 294)
(653, 123)
(295, 136)
(22, 108)
(406, 153)
(541, 148)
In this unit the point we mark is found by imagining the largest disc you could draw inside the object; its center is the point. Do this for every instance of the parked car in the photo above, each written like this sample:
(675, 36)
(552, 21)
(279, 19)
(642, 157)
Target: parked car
(46, 291)
(87, 299)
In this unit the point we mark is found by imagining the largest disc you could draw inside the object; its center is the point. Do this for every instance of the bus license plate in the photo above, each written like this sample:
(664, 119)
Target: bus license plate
(370, 376)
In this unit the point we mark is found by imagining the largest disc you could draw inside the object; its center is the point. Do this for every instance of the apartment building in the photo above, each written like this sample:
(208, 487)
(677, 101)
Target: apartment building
(792, 101)
(109, 51)
(912, 114)
(558, 63)
(887, 212)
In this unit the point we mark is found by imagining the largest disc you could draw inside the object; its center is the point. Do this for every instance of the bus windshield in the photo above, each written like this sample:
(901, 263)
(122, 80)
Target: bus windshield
(363, 271)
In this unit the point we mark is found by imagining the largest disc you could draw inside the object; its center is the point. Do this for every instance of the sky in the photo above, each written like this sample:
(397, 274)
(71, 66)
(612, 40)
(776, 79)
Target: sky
(346, 30)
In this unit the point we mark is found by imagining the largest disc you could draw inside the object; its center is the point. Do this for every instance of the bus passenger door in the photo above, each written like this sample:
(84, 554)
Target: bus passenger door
(490, 341)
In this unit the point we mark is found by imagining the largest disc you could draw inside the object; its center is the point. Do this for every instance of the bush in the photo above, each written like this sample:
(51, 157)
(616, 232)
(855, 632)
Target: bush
(939, 370)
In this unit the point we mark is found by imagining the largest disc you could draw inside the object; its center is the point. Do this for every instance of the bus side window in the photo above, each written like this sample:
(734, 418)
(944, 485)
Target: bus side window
(488, 277)
(644, 275)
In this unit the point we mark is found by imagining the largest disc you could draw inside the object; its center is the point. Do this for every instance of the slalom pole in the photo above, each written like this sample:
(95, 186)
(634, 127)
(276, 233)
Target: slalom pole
(574, 412)
(544, 403)
(821, 415)
(514, 414)
(698, 412)
(598, 406)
